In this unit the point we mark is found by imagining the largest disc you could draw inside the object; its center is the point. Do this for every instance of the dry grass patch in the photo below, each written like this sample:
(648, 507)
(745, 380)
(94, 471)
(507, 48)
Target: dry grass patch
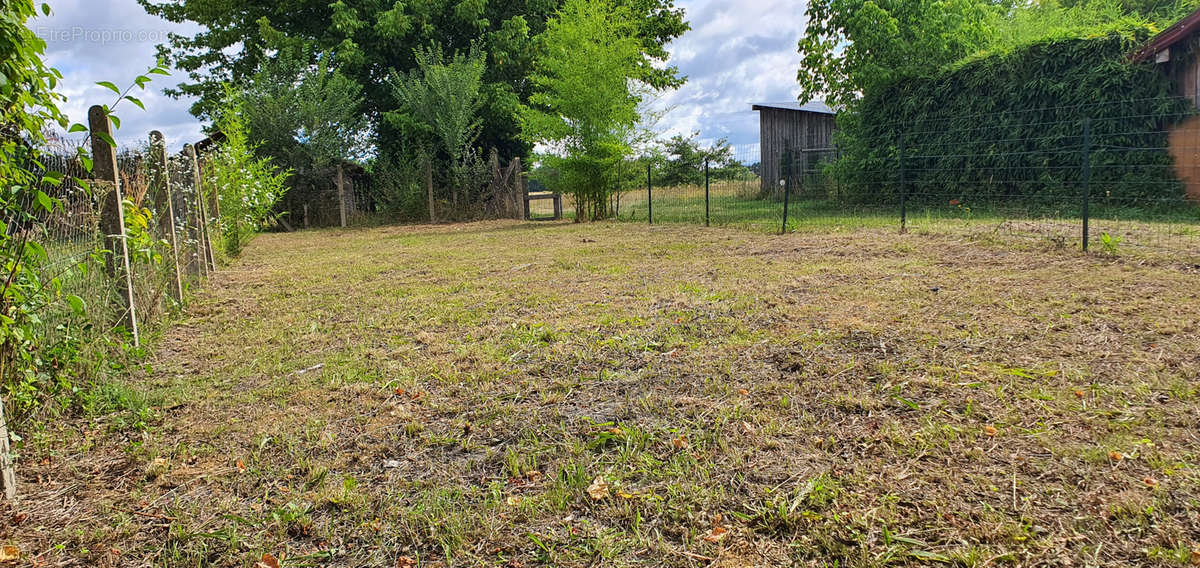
(613, 394)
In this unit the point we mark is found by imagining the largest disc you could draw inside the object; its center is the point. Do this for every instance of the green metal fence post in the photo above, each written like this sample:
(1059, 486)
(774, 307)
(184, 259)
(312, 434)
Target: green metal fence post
(785, 168)
(705, 192)
(903, 190)
(649, 196)
(1087, 178)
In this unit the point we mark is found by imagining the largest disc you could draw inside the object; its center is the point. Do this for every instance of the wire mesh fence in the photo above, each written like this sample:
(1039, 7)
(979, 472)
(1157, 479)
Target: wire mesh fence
(98, 243)
(69, 235)
(1121, 181)
(163, 234)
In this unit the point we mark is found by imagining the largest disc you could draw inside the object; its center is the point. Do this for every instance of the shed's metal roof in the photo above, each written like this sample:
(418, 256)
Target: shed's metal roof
(1174, 34)
(811, 106)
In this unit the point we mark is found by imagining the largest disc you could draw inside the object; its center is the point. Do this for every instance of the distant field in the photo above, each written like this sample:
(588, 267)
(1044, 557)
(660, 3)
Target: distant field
(613, 394)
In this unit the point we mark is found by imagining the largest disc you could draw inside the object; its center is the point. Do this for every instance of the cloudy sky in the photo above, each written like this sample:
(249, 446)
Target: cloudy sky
(738, 52)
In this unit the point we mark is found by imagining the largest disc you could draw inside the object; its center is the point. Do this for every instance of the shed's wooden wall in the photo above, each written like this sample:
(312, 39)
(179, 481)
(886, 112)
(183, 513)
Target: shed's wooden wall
(781, 129)
(1184, 70)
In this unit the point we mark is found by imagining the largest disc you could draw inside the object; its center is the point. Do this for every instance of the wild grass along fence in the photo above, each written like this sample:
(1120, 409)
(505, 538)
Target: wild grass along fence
(125, 250)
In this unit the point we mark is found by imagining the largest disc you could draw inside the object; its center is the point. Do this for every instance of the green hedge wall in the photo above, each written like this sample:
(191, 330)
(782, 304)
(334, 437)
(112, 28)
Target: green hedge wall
(1009, 127)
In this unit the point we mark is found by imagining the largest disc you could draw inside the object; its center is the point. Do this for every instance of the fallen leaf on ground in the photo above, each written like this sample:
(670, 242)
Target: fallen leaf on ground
(157, 467)
(679, 442)
(405, 562)
(241, 466)
(717, 534)
(1150, 482)
(598, 489)
(267, 561)
(1115, 456)
(9, 553)
(990, 430)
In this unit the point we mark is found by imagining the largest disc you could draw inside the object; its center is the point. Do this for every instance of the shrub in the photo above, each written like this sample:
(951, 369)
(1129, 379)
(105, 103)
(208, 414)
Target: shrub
(247, 187)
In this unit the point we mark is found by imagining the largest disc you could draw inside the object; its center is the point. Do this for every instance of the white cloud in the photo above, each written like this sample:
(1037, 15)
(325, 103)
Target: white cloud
(737, 53)
(114, 40)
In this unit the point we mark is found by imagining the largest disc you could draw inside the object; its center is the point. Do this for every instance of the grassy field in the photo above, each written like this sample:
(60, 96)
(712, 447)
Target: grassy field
(611, 394)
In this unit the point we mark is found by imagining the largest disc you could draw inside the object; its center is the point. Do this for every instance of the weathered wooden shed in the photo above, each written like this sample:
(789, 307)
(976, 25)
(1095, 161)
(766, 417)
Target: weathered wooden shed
(1176, 51)
(793, 127)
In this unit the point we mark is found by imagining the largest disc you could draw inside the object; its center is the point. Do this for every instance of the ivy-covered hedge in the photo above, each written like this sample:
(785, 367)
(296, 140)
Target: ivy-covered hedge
(1009, 127)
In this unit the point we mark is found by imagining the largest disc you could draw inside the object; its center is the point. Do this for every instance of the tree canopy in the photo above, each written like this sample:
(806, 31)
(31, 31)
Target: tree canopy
(686, 159)
(372, 38)
(853, 47)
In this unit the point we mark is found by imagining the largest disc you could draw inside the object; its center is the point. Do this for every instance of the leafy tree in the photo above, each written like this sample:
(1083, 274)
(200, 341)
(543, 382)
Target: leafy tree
(685, 161)
(439, 105)
(853, 46)
(585, 105)
(307, 117)
(372, 38)
(1162, 11)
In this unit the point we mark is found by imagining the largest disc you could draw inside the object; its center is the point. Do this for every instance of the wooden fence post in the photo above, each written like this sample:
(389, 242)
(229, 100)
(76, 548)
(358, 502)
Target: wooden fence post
(8, 474)
(164, 205)
(198, 260)
(112, 216)
(210, 264)
(341, 187)
(518, 193)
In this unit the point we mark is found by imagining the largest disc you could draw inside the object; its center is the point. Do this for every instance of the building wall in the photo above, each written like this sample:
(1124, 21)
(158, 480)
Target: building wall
(1184, 70)
(794, 130)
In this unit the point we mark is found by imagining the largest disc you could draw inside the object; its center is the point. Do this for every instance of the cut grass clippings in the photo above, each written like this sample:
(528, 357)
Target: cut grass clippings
(528, 394)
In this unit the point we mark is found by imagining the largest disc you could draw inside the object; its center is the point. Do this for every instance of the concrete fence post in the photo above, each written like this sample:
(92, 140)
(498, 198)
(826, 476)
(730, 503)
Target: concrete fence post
(164, 206)
(210, 264)
(214, 201)
(8, 473)
(112, 216)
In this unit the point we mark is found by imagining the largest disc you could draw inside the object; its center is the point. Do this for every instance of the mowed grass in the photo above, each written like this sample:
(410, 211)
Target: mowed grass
(611, 394)
(1168, 231)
